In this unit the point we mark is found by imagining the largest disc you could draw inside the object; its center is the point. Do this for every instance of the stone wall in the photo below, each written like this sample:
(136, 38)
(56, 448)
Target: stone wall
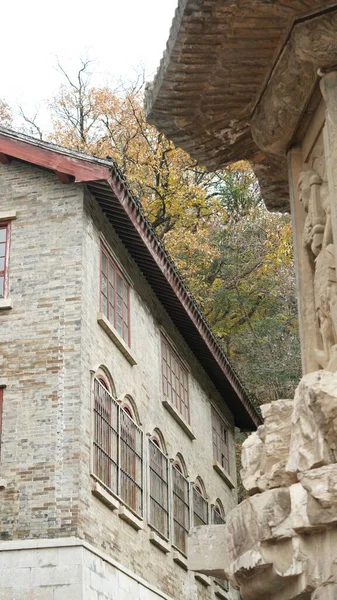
(51, 345)
(281, 543)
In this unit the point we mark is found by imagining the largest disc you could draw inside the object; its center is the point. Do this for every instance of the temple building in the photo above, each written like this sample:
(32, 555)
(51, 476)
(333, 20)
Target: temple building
(117, 404)
(257, 80)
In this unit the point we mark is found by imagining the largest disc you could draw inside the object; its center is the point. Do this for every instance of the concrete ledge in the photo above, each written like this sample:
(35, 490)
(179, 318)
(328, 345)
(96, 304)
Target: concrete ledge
(128, 516)
(180, 560)
(100, 492)
(72, 542)
(5, 303)
(225, 476)
(206, 581)
(115, 337)
(8, 215)
(177, 416)
(159, 542)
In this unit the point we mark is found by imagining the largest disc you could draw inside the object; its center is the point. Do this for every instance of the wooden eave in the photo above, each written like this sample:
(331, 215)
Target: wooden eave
(124, 211)
(217, 63)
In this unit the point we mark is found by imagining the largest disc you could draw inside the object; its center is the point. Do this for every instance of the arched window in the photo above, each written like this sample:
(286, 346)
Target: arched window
(200, 504)
(159, 503)
(131, 460)
(181, 506)
(105, 459)
(218, 513)
(117, 446)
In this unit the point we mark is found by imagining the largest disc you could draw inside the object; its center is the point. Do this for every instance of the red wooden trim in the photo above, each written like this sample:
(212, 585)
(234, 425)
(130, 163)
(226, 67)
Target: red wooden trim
(81, 170)
(4, 159)
(5, 271)
(64, 177)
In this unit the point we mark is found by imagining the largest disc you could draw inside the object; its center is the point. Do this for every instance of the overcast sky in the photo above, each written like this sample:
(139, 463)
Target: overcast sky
(119, 34)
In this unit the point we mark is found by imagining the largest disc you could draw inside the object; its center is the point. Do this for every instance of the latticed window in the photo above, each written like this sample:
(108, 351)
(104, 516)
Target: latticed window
(4, 245)
(159, 502)
(218, 517)
(115, 293)
(131, 462)
(220, 441)
(200, 507)
(181, 508)
(175, 379)
(118, 449)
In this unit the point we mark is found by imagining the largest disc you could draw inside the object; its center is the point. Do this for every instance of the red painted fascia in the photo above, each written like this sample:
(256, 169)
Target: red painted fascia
(81, 170)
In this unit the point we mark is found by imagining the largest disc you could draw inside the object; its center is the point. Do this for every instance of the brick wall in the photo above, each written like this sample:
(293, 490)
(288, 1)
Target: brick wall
(51, 345)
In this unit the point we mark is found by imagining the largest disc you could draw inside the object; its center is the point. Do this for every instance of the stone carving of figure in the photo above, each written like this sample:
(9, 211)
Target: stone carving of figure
(318, 240)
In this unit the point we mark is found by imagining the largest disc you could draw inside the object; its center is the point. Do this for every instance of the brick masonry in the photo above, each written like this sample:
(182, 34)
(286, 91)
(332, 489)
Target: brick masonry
(51, 345)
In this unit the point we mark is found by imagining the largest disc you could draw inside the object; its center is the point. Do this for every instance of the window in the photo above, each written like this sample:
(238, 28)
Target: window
(131, 461)
(118, 448)
(175, 379)
(220, 441)
(200, 506)
(181, 507)
(115, 296)
(159, 512)
(4, 254)
(218, 515)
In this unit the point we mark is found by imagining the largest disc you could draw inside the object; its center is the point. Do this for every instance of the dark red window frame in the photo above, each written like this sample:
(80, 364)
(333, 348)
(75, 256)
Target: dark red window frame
(4, 257)
(115, 296)
(220, 439)
(174, 379)
(180, 507)
(200, 507)
(158, 488)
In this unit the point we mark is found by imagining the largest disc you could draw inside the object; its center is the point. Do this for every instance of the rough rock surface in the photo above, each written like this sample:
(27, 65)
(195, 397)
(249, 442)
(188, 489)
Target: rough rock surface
(265, 452)
(281, 542)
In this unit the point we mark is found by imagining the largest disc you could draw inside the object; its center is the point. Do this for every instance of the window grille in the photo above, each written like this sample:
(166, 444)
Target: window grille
(217, 517)
(220, 441)
(175, 379)
(118, 449)
(131, 463)
(181, 509)
(115, 293)
(159, 502)
(200, 509)
(4, 244)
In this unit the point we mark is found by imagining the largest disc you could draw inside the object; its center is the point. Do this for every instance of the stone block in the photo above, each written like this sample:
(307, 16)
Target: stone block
(314, 423)
(265, 452)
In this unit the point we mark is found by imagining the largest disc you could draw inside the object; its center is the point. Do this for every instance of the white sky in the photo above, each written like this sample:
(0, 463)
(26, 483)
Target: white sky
(120, 35)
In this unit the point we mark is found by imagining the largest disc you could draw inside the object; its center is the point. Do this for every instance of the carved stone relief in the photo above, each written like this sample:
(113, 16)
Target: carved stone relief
(311, 47)
(318, 241)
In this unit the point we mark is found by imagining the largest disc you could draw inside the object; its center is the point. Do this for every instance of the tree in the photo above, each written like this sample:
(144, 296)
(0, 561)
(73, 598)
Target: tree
(5, 114)
(235, 256)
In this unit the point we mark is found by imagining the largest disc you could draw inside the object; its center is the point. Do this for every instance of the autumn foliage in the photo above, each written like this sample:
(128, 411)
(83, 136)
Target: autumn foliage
(235, 256)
